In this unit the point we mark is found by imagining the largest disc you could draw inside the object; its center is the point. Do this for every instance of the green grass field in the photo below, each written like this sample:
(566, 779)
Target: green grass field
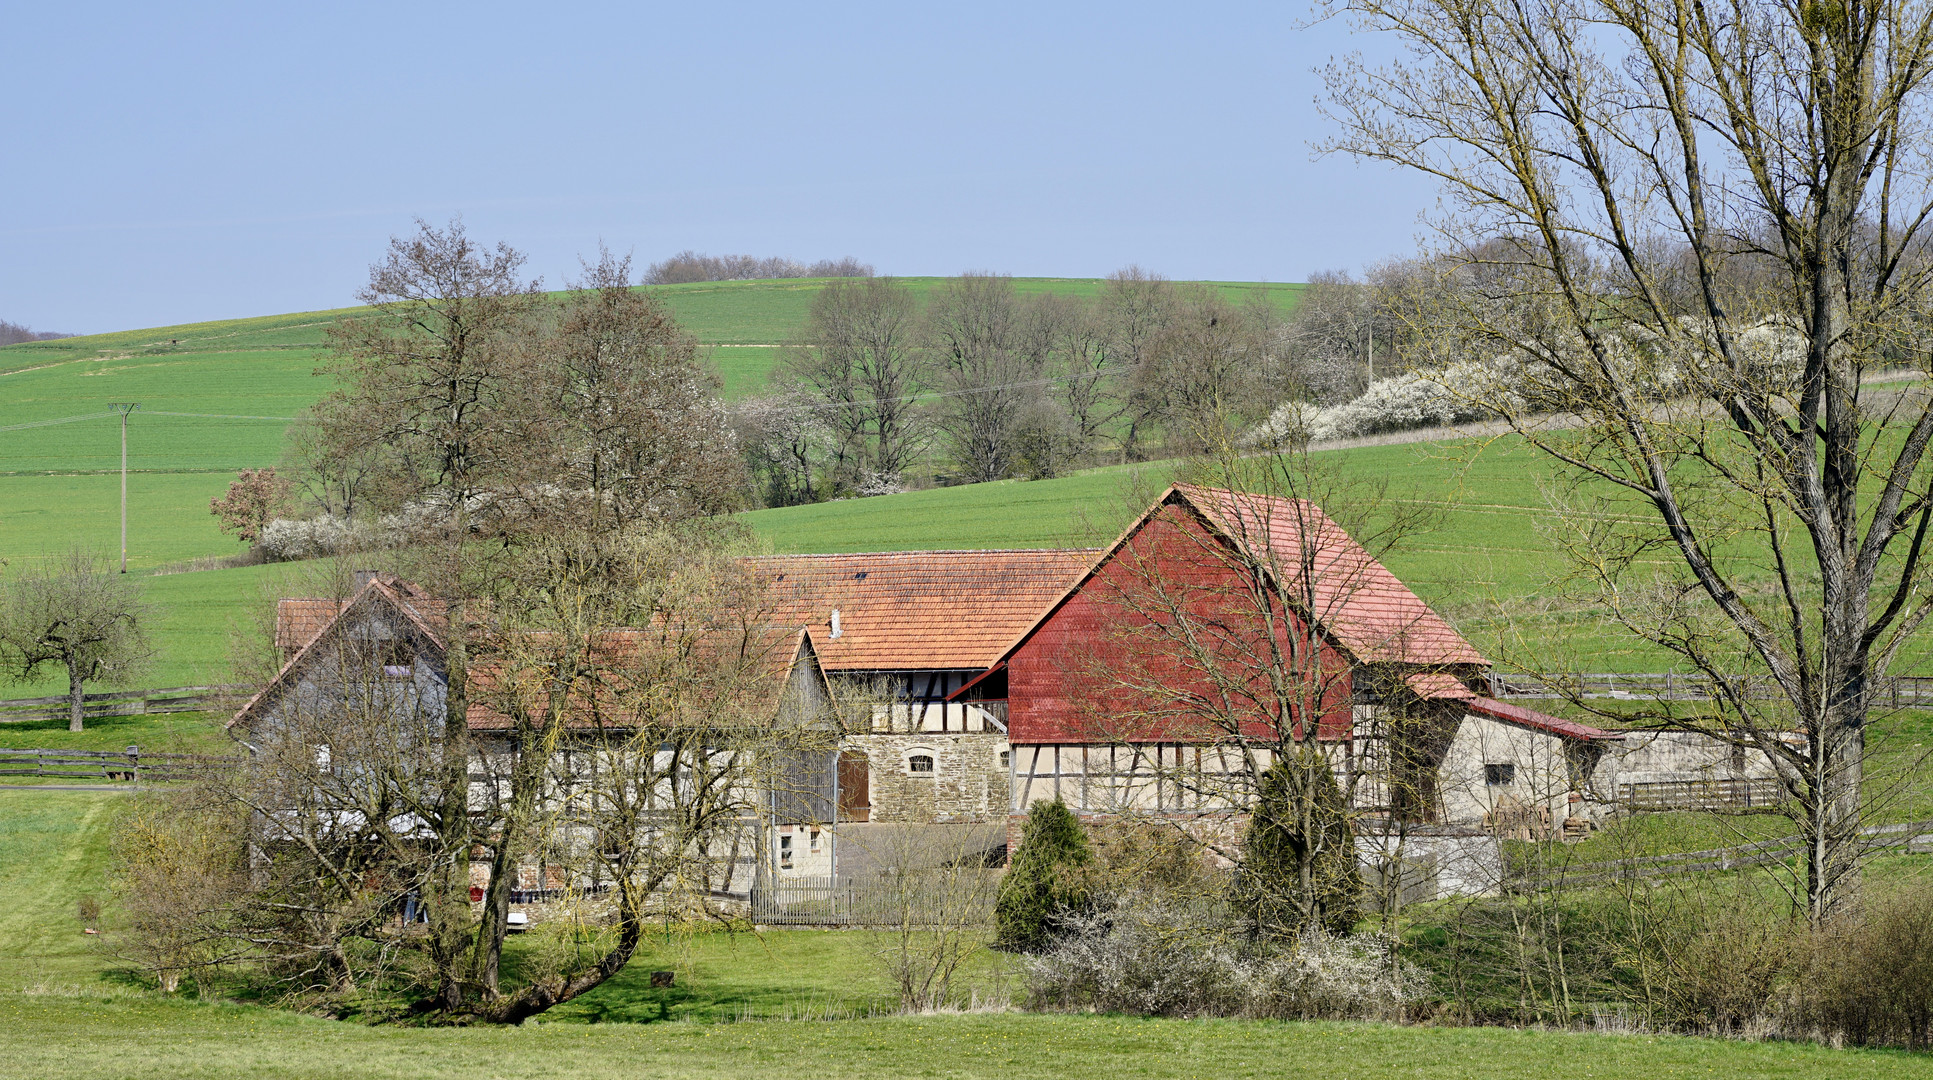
(69, 1010)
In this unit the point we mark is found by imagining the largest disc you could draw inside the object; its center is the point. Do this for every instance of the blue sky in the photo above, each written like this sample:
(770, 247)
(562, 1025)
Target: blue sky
(167, 166)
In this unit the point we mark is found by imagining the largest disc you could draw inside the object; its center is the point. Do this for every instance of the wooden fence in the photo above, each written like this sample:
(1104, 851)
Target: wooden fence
(862, 900)
(171, 699)
(1893, 691)
(1912, 836)
(1722, 793)
(111, 765)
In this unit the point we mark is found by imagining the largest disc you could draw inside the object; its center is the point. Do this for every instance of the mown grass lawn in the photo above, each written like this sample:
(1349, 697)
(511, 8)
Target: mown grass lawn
(99, 1037)
(70, 1009)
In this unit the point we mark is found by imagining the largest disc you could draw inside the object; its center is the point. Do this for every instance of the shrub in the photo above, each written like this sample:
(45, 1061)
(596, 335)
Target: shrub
(1153, 957)
(1869, 977)
(1281, 838)
(1046, 880)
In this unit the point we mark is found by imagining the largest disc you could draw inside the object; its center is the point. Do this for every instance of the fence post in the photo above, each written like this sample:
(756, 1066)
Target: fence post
(134, 764)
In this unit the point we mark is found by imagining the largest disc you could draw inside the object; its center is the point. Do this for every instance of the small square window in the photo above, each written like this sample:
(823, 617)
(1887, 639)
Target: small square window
(1500, 774)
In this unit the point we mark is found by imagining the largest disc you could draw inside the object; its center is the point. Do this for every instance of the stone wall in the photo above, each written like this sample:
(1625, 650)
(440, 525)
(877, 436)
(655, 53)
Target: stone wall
(968, 781)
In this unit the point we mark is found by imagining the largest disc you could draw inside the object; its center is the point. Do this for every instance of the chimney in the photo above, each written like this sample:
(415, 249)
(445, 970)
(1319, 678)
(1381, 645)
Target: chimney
(835, 623)
(363, 577)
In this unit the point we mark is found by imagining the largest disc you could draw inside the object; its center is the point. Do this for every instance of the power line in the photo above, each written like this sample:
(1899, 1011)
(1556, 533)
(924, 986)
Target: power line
(217, 416)
(144, 412)
(62, 420)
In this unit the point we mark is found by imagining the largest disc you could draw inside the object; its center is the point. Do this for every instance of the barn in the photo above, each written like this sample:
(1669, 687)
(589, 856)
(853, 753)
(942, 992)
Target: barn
(1222, 628)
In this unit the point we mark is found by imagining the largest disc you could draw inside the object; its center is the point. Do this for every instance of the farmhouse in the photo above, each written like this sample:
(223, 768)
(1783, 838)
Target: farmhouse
(898, 632)
(365, 677)
(1155, 676)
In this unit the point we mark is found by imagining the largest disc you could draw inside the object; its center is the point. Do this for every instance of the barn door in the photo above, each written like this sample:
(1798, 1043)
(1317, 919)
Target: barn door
(855, 787)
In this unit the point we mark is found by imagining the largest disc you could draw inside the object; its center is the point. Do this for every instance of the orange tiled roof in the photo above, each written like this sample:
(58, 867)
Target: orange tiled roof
(753, 665)
(918, 610)
(1355, 599)
(298, 621)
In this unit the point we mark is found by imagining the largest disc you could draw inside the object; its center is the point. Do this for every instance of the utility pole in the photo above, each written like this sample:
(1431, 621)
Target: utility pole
(124, 407)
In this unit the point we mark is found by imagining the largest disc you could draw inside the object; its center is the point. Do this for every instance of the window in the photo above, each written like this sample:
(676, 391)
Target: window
(785, 853)
(1500, 774)
(1006, 758)
(919, 763)
(814, 845)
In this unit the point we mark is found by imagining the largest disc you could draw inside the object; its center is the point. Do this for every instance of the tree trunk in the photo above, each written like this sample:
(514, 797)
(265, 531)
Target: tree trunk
(74, 698)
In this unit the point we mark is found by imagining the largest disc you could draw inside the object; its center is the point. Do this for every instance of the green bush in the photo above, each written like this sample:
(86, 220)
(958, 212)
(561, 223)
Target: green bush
(1046, 878)
(1282, 841)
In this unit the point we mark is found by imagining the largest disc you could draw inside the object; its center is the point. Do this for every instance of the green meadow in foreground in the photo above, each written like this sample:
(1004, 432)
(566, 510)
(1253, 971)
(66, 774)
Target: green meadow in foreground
(97, 1037)
(67, 1010)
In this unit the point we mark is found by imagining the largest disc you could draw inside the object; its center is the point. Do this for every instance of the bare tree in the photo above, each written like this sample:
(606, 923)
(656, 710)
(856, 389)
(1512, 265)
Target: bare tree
(935, 892)
(430, 379)
(987, 369)
(619, 423)
(644, 704)
(1205, 372)
(74, 615)
(1135, 306)
(1607, 168)
(865, 364)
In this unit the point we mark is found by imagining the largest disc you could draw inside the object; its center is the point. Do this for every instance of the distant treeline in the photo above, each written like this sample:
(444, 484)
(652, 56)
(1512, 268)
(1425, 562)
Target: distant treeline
(886, 387)
(12, 333)
(691, 266)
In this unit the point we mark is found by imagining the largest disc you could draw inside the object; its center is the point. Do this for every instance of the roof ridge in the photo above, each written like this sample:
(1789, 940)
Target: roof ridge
(926, 551)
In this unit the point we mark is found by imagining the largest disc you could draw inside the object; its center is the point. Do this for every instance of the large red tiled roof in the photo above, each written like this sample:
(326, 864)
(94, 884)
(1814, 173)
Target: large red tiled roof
(918, 610)
(1354, 598)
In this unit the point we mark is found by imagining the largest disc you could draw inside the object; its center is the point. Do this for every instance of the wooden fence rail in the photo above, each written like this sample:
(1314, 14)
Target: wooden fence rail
(172, 699)
(1913, 836)
(1894, 691)
(111, 765)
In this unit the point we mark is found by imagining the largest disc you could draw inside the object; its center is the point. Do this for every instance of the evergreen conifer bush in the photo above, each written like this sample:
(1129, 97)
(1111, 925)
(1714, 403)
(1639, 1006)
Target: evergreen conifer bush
(1046, 881)
(1300, 824)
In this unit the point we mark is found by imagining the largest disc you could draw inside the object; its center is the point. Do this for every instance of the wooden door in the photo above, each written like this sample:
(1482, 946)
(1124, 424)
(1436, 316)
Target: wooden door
(855, 787)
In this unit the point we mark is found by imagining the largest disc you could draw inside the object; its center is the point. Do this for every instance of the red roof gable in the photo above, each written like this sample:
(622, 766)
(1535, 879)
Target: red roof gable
(1357, 602)
(1354, 598)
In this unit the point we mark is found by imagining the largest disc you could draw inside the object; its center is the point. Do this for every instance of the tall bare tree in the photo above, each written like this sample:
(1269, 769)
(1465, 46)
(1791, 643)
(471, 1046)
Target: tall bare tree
(1135, 306)
(1608, 167)
(865, 363)
(988, 366)
(619, 422)
(76, 616)
(429, 380)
